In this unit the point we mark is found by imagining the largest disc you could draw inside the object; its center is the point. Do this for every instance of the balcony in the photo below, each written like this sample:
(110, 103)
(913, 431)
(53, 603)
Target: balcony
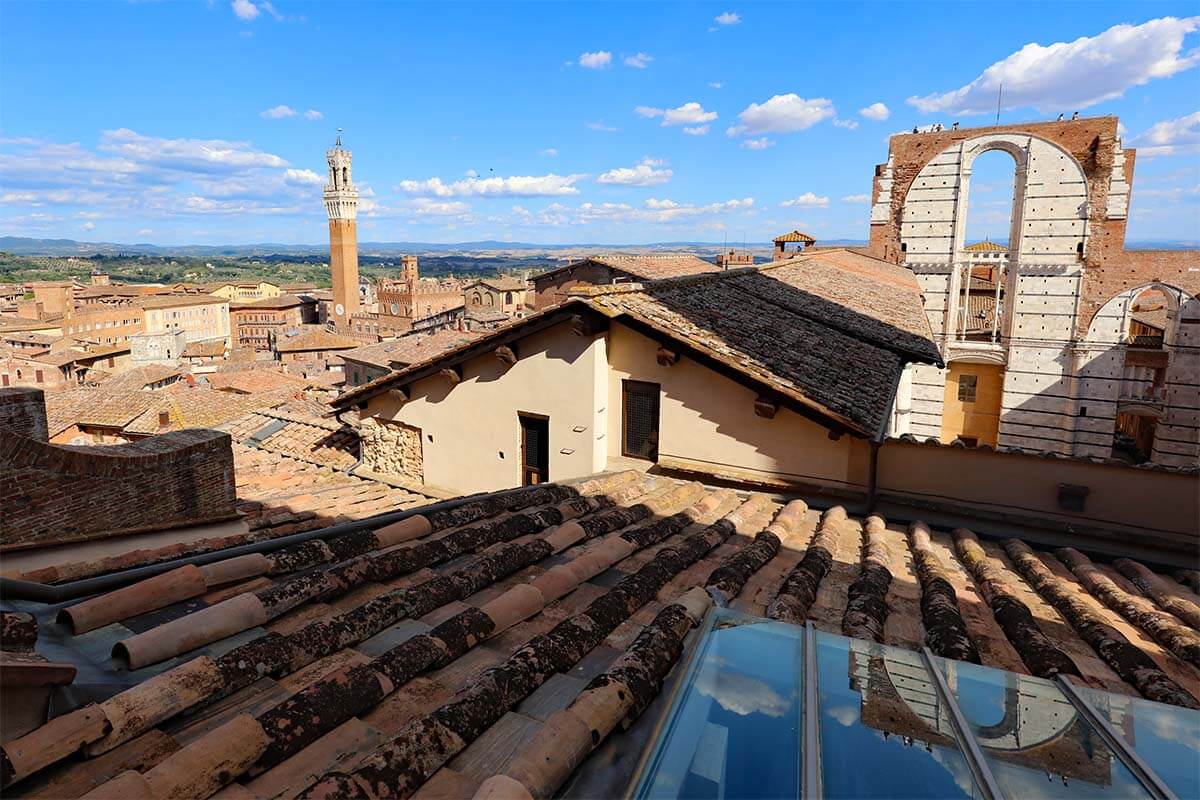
(976, 351)
(1141, 398)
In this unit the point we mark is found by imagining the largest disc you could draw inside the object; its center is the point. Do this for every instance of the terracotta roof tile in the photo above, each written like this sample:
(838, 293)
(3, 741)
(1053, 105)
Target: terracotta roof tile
(312, 337)
(795, 236)
(656, 267)
(411, 348)
(391, 701)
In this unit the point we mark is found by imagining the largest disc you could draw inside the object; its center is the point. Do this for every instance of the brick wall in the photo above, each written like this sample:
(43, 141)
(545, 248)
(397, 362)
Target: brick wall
(50, 494)
(552, 287)
(1127, 269)
(23, 410)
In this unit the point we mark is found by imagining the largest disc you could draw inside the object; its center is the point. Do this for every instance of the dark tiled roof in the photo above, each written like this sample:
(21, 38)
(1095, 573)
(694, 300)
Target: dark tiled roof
(831, 329)
(430, 654)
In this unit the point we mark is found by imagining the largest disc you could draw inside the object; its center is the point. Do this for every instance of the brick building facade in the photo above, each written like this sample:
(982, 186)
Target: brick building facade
(1053, 377)
(255, 323)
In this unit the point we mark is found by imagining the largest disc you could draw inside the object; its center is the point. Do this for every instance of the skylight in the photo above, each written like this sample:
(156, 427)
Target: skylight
(769, 710)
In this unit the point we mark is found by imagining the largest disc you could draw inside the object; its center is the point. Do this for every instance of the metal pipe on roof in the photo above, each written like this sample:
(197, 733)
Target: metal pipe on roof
(1133, 762)
(976, 760)
(16, 589)
(810, 731)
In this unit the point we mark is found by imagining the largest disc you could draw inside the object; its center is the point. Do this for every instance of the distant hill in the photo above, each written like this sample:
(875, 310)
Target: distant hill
(24, 246)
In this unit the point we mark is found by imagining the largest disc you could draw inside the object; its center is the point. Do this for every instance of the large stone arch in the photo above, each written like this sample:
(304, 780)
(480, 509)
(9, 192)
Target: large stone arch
(1050, 202)
(1105, 378)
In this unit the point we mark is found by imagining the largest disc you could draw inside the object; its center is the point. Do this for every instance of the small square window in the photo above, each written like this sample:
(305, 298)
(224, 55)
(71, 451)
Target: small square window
(966, 388)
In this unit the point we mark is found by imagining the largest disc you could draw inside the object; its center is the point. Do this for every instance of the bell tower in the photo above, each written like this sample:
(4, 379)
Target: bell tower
(341, 203)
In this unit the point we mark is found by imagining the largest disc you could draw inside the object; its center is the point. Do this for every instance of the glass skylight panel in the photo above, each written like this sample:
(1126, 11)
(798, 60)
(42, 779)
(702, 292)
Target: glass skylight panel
(735, 729)
(1035, 742)
(882, 725)
(1166, 738)
(883, 730)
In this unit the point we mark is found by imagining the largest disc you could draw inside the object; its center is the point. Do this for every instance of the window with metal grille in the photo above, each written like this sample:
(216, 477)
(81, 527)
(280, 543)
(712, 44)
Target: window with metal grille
(640, 420)
(966, 388)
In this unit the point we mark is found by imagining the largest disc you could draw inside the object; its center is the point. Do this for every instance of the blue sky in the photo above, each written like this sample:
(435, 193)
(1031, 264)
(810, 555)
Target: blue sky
(178, 122)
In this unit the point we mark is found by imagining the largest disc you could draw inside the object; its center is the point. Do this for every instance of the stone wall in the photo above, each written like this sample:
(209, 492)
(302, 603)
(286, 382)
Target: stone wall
(392, 448)
(51, 494)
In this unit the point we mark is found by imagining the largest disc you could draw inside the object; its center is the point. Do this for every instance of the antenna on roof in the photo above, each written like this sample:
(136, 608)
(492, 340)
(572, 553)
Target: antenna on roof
(338, 143)
(999, 94)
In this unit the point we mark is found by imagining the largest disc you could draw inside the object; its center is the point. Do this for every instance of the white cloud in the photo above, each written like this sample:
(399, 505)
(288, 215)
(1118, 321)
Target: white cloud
(648, 172)
(687, 114)
(1065, 76)
(549, 151)
(783, 113)
(638, 60)
(145, 231)
(278, 112)
(303, 177)
(312, 113)
(727, 18)
(876, 111)
(24, 198)
(1174, 194)
(597, 60)
(806, 200)
(438, 208)
(129, 174)
(244, 9)
(696, 130)
(761, 143)
(857, 198)
(1170, 137)
(202, 155)
(88, 226)
(848, 124)
(516, 186)
(715, 85)
(599, 125)
(655, 210)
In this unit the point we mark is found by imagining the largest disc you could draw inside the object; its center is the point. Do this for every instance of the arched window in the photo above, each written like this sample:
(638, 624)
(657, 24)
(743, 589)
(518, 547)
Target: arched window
(979, 302)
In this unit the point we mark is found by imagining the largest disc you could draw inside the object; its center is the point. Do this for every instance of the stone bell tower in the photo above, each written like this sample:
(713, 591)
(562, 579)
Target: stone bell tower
(341, 203)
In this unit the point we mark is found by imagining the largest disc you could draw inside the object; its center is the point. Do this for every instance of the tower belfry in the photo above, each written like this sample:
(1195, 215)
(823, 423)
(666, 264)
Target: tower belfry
(341, 204)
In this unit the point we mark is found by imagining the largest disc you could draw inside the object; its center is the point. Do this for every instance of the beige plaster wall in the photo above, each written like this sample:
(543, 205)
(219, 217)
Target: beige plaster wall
(709, 419)
(470, 433)
(1027, 485)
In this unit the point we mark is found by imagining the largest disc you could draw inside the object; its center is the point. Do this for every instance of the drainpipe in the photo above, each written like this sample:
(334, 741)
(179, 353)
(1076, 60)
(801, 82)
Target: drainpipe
(872, 475)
